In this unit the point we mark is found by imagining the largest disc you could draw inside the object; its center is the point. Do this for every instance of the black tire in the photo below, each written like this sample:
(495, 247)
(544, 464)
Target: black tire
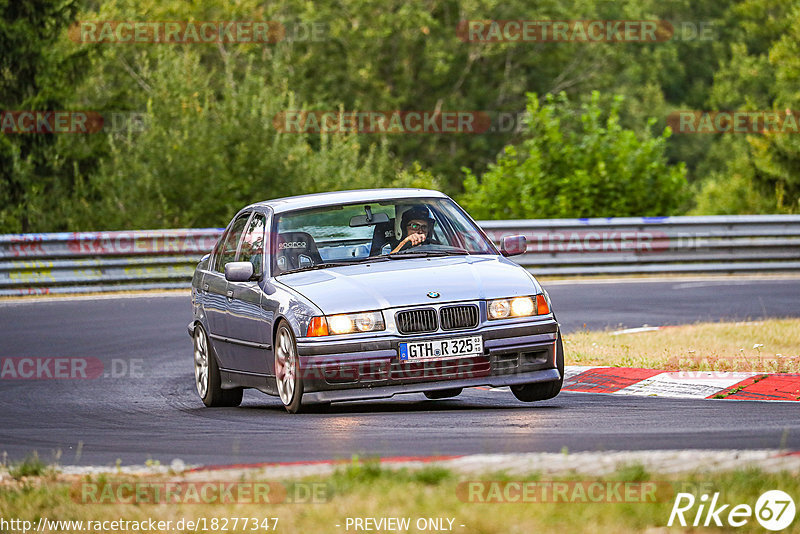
(443, 393)
(209, 386)
(543, 390)
(287, 362)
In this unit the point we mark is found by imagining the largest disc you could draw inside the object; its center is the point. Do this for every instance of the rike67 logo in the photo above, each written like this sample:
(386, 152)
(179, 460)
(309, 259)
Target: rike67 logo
(774, 510)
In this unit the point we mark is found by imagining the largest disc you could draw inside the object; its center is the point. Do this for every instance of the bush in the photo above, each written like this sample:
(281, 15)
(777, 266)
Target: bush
(31, 466)
(205, 151)
(577, 164)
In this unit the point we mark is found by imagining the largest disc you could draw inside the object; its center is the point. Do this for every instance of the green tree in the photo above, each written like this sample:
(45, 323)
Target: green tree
(394, 54)
(776, 156)
(372, 55)
(207, 149)
(577, 163)
(757, 173)
(34, 75)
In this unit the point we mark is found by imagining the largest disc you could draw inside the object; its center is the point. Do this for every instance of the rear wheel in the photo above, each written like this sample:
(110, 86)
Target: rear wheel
(443, 393)
(543, 390)
(287, 369)
(207, 377)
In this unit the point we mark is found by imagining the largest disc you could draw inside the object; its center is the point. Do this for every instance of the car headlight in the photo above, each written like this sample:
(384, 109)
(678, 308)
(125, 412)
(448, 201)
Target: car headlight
(518, 307)
(346, 323)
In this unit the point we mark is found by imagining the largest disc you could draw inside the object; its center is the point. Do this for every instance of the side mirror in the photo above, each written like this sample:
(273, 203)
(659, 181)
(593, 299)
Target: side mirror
(238, 271)
(512, 245)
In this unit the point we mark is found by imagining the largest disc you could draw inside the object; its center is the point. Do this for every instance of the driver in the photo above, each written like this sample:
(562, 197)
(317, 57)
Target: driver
(417, 227)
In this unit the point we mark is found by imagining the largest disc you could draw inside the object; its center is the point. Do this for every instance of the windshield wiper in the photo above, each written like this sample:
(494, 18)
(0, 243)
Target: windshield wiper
(428, 253)
(316, 267)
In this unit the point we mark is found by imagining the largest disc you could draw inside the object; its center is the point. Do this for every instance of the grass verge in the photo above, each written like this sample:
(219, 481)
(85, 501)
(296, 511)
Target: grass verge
(769, 346)
(367, 490)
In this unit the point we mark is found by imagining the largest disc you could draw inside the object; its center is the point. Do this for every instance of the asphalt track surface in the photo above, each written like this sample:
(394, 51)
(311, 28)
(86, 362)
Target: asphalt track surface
(158, 415)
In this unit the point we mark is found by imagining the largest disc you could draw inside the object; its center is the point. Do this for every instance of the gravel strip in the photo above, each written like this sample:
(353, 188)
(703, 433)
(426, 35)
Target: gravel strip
(668, 462)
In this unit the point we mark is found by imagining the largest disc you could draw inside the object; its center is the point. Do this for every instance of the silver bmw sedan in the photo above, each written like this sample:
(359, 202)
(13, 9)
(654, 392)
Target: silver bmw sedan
(368, 294)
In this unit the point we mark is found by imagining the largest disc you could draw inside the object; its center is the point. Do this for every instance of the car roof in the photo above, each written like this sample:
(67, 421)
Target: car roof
(333, 198)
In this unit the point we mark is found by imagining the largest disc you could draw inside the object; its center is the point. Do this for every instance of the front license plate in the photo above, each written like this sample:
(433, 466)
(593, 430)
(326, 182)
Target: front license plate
(441, 348)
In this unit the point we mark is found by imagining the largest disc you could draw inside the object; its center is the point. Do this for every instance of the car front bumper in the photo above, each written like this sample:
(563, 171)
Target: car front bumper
(351, 369)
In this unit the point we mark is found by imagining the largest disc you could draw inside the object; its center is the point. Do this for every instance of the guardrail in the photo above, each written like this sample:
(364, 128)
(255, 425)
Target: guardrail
(165, 259)
(35, 264)
(641, 245)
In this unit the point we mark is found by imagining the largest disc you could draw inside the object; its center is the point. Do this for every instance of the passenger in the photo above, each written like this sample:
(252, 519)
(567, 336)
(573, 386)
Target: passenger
(417, 227)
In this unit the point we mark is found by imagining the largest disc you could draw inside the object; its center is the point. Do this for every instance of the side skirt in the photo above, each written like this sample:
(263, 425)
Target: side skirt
(241, 379)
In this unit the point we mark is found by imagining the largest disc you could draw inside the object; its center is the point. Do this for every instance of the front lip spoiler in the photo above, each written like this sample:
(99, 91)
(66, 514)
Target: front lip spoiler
(382, 392)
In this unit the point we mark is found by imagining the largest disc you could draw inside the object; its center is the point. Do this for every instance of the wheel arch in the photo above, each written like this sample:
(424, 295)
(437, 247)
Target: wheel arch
(292, 321)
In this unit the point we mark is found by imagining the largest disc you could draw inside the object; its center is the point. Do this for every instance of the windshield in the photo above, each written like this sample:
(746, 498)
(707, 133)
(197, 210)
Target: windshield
(385, 230)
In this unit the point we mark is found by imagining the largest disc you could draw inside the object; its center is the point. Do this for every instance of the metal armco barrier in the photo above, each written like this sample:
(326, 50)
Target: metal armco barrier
(35, 264)
(641, 245)
(165, 259)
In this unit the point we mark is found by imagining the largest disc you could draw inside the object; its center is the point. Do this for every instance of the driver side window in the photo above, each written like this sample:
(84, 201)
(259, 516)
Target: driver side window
(226, 253)
(253, 244)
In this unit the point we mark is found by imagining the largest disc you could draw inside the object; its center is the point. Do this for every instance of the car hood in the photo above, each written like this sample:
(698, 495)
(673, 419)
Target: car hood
(407, 282)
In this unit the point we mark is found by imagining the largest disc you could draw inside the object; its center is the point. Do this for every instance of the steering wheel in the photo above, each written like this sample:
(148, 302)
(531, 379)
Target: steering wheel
(423, 247)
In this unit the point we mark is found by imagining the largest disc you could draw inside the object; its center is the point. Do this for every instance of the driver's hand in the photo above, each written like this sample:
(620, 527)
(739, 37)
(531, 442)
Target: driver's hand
(416, 239)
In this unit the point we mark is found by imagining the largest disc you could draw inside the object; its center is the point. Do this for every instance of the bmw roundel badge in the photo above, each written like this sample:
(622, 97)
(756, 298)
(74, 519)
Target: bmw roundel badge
(433, 294)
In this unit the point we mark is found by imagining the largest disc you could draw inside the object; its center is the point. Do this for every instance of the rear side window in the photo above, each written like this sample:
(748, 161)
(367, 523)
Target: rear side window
(253, 243)
(226, 252)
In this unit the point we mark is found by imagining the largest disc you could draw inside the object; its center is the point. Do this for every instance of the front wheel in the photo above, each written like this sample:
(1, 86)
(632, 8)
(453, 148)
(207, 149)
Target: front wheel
(287, 369)
(543, 390)
(207, 377)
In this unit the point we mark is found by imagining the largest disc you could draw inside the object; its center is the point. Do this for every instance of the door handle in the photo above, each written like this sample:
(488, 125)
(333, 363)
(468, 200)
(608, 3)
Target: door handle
(205, 288)
(230, 294)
